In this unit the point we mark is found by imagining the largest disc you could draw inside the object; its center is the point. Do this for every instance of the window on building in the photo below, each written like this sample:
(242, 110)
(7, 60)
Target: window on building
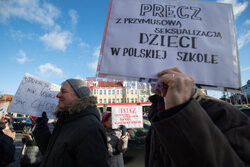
(135, 91)
(104, 101)
(113, 92)
(113, 100)
(139, 85)
(109, 92)
(109, 100)
(100, 100)
(142, 100)
(127, 100)
(122, 100)
(117, 92)
(133, 85)
(136, 100)
(104, 92)
(100, 92)
(124, 92)
(94, 91)
(117, 100)
(132, 92)
(132, 100)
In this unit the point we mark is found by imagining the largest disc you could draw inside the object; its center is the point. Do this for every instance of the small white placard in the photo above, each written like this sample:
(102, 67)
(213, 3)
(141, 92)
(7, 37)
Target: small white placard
(129, 116)
(142, 38)
(34, 96)
(3, 109)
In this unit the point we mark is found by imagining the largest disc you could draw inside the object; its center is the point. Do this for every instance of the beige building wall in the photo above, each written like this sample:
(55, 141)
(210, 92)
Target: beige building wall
(126, 94)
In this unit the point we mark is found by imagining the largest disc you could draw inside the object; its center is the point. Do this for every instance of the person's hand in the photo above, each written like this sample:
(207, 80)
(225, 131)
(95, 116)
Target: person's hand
(123, 129)
(176, 86)
(42, 120)
(154, 89)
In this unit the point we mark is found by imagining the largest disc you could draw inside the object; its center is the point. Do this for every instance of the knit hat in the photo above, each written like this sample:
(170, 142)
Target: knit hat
(80, 87)
(105, 116)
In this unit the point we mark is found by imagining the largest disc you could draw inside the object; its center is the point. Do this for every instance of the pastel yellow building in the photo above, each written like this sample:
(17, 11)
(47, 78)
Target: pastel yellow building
(120, 92)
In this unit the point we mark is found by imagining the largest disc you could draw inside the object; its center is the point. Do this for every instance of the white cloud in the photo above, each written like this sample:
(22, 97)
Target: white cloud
(49, 69)
(30, 10)
(83, 44)
(244, 39)
(19, 35)
(74, 16)
(93, 65)
(57, 40)
(97, 51)
(22, 58)
(245, 69)
(247, 22)
(238, 7)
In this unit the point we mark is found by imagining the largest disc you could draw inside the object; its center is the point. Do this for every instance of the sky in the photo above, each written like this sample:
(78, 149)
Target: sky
(60, 39)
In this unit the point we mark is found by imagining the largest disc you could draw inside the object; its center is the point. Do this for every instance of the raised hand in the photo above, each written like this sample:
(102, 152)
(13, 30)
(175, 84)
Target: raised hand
(176, 86)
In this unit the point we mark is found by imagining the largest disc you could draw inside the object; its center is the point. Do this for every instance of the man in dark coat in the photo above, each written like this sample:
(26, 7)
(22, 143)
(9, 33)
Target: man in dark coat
(78, 138)
(190, 129)
(7, 147)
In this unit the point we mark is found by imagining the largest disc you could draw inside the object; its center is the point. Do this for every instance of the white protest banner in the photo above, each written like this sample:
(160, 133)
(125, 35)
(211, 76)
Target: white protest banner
(3, 109)
(142, 38)
(34, 96)
(129, 116)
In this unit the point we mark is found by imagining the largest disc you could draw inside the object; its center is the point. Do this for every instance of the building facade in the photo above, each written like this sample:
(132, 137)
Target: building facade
(120, 91)
(245, 90)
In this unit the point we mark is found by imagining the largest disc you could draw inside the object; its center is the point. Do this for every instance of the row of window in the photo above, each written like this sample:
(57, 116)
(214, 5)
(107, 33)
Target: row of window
(113, 92)
(128, 100)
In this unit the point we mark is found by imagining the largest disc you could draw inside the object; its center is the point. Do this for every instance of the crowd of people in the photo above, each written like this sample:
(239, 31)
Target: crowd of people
(188, 128)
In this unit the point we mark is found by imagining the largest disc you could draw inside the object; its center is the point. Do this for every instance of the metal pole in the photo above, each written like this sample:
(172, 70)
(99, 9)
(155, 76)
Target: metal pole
(246, 97)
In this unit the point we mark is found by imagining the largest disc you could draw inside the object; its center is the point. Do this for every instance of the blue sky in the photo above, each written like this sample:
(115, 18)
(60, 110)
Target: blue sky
(60, 39)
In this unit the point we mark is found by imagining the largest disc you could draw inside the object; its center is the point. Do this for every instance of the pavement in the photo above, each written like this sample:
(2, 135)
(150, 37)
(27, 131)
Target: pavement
(133, 157)
(19, 146)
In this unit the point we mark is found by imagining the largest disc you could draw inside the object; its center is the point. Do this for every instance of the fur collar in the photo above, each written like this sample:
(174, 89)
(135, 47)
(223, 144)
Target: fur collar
(198, 95)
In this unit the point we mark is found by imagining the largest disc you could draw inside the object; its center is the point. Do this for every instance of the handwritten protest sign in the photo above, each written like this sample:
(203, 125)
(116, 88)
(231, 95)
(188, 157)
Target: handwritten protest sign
(142, 38)
(34, 96)
(3, 109)
(129, 116)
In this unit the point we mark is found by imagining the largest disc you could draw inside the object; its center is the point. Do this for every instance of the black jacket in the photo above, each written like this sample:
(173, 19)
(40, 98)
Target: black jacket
(7, 149)
(202, 132)
(78, 140)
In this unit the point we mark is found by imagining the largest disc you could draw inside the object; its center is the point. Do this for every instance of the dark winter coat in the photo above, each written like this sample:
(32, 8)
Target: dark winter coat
(116, 147)
(202, 132)
(7, 149)
(78, 139)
